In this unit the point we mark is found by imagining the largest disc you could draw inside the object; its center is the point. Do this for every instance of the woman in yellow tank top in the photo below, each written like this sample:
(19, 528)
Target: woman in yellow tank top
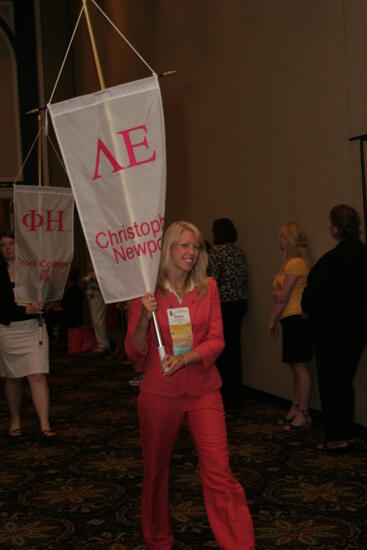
(288, 286)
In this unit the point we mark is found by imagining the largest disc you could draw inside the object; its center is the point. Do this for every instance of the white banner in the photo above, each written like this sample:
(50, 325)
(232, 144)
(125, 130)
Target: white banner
(113, 145)
(44, 242)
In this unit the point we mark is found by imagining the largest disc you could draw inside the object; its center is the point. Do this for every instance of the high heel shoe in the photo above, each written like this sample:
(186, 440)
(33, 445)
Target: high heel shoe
(336, 447)
(288, 419)
(306, 424)
(16, 432)
(48, 434)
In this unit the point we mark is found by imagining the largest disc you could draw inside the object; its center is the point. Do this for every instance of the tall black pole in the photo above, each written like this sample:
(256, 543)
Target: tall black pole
(363, 171)
(362, 138)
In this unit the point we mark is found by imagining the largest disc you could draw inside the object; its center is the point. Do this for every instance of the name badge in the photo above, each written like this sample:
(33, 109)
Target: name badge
(181, 330)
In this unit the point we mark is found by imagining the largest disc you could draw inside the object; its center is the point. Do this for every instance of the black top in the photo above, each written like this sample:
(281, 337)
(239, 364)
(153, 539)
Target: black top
(336, 291)
(227, 265)
(9, 311)
(72, 304)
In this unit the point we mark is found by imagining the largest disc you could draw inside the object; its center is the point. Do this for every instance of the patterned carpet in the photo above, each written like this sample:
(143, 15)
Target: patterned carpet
(83, 490)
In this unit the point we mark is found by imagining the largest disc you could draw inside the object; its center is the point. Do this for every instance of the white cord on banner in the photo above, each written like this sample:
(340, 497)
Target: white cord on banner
(56, 153)
(66, 54)
(29, 152)
(72, 38)
(122, 36)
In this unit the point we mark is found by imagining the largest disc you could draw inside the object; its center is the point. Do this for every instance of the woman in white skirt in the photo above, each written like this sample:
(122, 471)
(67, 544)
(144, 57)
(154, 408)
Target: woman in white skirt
(21, 355)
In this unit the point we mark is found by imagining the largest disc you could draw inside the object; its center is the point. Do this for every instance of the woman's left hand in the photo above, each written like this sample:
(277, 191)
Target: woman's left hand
(55, 306)
(171, 364)
(35, 308)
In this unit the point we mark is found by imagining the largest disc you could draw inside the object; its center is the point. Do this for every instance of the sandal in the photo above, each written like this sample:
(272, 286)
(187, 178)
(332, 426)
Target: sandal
(286, 421)
(16, 432)
(337, 448)
(306, 424)
(48, 434)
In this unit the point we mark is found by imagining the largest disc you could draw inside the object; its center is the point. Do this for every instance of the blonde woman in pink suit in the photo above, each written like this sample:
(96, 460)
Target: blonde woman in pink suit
(184, 386)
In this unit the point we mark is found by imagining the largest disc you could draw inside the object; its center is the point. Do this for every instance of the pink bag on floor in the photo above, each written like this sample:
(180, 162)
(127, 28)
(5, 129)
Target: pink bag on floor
(81, 339)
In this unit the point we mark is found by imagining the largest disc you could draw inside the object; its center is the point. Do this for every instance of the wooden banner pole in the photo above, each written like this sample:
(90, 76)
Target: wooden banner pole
(39, 149)
(94, 46)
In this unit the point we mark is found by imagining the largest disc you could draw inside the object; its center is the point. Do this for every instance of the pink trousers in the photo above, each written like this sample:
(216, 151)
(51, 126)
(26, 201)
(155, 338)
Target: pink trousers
(160, 418)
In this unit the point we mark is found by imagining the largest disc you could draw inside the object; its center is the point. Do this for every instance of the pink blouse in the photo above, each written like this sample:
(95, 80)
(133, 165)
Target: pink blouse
(208, 342)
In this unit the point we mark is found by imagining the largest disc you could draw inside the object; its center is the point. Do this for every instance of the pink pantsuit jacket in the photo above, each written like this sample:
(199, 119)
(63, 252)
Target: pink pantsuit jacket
(206, 321)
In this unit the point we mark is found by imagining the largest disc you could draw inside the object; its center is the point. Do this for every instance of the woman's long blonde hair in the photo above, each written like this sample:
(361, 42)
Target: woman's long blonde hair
(296, 243)
(197, 276)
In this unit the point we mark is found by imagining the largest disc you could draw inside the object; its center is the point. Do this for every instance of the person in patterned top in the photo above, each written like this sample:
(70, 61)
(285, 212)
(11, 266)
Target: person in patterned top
(228, 266)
